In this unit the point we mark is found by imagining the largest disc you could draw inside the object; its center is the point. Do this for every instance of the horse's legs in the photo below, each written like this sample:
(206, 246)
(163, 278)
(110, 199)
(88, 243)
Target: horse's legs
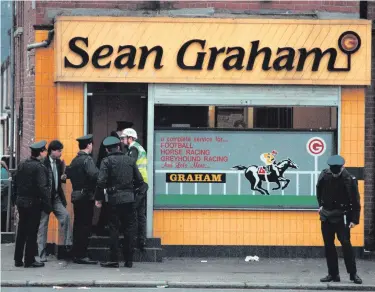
(286, 184)
(254, 186)
(259, 186)
(278, 184)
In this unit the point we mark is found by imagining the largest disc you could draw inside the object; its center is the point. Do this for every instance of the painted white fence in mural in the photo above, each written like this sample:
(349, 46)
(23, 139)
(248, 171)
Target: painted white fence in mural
(240, 174)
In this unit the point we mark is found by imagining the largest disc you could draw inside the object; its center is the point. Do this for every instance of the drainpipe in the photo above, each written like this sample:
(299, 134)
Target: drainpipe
(363, 7)
(43, 44)
(12, 123)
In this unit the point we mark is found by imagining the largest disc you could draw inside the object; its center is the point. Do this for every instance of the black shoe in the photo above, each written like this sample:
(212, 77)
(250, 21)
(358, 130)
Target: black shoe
(110, 265)
(34, 265)
(84, 261)
(128, 264)
(330, 278)
(355, 279)
(18, 264)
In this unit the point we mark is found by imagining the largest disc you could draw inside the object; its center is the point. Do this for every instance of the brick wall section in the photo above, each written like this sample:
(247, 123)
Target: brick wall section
(294, 6)
(253, 6)
(370, 146)
(25, 80)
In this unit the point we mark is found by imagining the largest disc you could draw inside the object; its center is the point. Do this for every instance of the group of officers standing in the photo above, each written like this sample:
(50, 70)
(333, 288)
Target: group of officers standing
(120, 183)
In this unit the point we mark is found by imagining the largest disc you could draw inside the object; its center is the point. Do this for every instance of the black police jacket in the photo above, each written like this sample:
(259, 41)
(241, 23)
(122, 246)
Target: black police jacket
(32, 188)
(83, 175)
(339, 194)
(59, 165)
(120, 176)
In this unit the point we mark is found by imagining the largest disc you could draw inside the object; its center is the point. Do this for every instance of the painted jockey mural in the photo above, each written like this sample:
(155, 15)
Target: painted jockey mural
(272, 172)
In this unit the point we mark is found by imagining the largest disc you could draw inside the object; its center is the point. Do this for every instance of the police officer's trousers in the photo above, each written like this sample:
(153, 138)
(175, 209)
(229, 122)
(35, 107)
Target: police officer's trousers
(83, 213)
(141, 219)
(27, 233)
(343, 235)
(121, 220)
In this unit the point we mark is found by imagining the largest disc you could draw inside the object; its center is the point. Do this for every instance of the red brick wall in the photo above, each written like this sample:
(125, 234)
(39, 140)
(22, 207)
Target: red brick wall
(24, 80)
(370, 146)
(295, 6)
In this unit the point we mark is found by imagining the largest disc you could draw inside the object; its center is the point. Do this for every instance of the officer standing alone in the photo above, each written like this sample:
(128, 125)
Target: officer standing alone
(83, 174)
(339, 209)
(138, 153)
(31, 197)
(119, 175)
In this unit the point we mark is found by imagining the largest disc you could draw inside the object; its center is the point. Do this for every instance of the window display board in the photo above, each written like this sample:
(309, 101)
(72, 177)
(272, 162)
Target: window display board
(195, 169)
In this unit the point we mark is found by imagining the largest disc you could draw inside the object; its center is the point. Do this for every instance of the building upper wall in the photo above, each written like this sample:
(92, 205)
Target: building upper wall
(48, 10)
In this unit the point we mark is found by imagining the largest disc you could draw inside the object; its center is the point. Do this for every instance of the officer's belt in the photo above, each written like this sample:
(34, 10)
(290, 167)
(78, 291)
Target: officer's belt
(117, 188)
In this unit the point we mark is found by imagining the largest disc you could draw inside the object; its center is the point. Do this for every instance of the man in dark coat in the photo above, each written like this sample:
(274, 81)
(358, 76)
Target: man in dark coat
(57, 176)
(101, 228)
(339, 209)
(119, 175)
(31, 197)
(83, 174)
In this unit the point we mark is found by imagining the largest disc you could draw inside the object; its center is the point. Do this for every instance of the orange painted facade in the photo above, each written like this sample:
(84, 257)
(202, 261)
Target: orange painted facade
(195, 227)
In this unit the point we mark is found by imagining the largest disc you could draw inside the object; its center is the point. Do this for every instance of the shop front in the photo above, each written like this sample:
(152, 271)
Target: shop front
(238, 118)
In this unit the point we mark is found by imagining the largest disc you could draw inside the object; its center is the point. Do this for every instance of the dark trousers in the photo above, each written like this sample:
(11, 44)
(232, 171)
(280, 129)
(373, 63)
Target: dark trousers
(3, 221)
(103, 218)
(83, 213)
(343, 235)
(121, 219)
(141, 219)
(27, 232)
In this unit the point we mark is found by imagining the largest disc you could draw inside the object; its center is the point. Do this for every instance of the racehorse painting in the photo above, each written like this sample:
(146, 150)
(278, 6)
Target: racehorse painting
(256, 175)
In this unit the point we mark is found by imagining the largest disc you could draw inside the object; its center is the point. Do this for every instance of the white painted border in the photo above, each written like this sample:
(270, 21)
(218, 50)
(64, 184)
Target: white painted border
(85, 109)
(150, 158)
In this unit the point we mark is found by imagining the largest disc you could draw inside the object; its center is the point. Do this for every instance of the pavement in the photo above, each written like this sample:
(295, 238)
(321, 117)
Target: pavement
(186, 273)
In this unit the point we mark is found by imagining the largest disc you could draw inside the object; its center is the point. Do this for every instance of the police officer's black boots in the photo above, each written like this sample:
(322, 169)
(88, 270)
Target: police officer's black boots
(18, 264)
(355, 278)
(84, 261)
(34, 265)
(330, 278)
(110, 265)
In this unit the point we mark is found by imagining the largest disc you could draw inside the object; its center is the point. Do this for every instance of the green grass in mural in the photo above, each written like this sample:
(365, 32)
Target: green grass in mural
(235, 201)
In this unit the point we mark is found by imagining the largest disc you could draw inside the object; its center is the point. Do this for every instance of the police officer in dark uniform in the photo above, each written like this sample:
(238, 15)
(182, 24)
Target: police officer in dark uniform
(32, 191)
(119, 175)
(339, 209)
(83, 174)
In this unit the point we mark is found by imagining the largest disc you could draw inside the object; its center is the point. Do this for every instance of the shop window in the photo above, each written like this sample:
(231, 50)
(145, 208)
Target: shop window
(237, 117)
(273, 117)
(181, 116)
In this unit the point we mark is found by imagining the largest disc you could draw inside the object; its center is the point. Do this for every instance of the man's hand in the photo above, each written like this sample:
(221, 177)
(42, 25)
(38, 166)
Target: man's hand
(98, 204)
(352, 225)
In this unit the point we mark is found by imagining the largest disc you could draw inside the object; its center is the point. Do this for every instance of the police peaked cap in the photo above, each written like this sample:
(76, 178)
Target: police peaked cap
(41, 145)
(86, 138)
(111, 141)
(336, 160)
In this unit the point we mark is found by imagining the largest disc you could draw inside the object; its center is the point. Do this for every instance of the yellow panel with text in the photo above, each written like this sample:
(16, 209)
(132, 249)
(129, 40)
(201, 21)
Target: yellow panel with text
(231, 51)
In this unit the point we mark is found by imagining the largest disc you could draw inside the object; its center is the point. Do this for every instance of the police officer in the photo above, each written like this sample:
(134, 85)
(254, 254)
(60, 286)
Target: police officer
(339, 209)
(138, 153)
(31, 197)
(119, 175)
(83, 174)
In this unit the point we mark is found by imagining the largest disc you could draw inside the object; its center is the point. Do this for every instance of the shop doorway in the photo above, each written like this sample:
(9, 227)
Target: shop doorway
(111, 104)
(108, 105)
